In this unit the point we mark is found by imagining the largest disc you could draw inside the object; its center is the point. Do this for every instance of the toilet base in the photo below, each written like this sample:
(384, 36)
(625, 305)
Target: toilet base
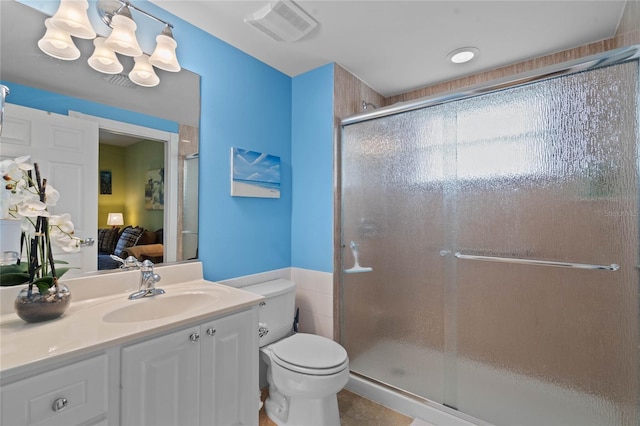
(302, 411)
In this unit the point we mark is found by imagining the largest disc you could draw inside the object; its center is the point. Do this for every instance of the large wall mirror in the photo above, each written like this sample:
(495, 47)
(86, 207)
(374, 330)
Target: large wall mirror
(175, 102)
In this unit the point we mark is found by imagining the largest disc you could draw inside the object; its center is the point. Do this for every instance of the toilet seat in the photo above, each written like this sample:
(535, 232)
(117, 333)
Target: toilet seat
(310, 354)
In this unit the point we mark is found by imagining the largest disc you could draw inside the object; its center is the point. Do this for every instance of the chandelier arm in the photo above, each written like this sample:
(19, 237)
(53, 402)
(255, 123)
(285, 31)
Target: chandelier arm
(109, 8)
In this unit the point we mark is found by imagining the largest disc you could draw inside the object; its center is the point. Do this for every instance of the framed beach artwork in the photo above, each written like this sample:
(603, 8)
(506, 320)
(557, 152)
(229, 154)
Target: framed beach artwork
(154, 190)
(254, 174)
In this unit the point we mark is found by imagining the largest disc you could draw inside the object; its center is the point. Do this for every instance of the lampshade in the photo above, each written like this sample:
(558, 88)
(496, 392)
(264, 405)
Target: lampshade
(58, 43)
(104, 59)
(72, 17)
(164, 56)
(142, 73)
(123, 37)
(115, 219)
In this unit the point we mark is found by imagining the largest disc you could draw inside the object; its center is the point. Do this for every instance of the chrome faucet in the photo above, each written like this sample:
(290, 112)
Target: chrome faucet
(148, 278)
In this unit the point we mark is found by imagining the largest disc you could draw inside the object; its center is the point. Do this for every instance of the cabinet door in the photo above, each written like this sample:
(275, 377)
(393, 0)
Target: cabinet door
(229, 375)
(160, 380)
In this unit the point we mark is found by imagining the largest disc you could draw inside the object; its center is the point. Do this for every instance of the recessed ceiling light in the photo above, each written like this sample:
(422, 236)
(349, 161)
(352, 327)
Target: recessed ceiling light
(462, 55)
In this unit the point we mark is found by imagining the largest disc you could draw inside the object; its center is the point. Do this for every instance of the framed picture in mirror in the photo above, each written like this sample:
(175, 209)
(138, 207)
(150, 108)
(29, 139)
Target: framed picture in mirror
(105, 182)
(154, 190)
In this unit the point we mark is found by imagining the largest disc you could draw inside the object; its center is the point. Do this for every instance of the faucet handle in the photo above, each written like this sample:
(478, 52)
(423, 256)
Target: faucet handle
(129, 262)
(146, 265)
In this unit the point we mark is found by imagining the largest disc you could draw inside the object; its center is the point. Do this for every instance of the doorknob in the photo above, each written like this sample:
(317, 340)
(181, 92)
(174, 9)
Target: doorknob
(87, 242)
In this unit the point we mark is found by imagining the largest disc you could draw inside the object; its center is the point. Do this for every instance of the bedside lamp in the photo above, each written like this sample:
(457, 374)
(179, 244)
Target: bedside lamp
(115, 219)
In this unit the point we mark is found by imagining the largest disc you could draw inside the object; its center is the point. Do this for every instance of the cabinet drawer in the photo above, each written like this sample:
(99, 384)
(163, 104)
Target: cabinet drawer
(67, 395)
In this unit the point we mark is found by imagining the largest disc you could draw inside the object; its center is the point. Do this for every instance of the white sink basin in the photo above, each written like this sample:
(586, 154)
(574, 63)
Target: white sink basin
(160, 306)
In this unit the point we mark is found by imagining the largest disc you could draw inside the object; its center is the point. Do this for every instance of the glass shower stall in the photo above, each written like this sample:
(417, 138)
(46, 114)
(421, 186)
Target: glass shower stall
(490, 248)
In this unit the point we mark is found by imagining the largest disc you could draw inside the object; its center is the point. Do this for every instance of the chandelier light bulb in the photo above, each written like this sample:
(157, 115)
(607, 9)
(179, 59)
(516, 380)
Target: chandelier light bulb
(123, 37)
(142, 73)
(72, 17)
(58, 43)
(104, 59)
(164, 55)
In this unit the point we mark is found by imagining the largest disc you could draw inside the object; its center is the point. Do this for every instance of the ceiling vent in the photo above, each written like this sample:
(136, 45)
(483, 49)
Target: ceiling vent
(119, 80)
(282, 21)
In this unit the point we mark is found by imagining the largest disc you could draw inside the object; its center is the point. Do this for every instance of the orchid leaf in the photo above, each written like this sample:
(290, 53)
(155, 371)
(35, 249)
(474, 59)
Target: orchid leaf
(13, 278)
(44, 284)
(61, 271)
(11, 275)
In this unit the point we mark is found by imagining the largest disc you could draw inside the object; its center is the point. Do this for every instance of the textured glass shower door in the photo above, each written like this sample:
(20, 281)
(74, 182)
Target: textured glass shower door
(393, 197)
(454, 206)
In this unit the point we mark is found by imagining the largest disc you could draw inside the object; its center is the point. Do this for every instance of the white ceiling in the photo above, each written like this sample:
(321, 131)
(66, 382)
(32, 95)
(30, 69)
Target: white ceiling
(396, 46)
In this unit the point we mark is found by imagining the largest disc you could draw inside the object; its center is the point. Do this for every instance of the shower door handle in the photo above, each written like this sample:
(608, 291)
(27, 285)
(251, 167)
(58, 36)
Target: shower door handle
(612, 267)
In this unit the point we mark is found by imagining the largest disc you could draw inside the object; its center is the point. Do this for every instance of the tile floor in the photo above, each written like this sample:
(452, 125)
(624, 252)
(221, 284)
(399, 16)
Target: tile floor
(357, 411)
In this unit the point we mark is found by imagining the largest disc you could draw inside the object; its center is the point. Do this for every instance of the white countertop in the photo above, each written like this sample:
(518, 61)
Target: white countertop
(83, 329)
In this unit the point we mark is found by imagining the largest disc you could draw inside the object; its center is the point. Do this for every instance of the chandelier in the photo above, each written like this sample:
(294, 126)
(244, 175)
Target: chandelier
(71, 20)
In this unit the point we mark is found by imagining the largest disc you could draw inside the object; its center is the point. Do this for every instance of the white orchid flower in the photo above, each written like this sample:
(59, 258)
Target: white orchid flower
(70, 245)
(6, 166)
(17, 163)
(15, 168)
(61, 224)
(33, 208)
(21, 196)
(22, 163)
(20, 199)
(61, 233)
(51, 195)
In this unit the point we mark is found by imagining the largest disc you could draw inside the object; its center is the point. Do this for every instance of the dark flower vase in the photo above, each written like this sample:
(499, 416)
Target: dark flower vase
(36, 307)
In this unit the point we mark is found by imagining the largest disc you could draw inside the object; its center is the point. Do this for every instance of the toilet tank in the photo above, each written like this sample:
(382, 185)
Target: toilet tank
(277, 311)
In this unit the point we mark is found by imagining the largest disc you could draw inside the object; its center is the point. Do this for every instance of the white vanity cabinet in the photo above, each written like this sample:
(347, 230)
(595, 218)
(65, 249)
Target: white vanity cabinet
(76, 394)
(200, 375)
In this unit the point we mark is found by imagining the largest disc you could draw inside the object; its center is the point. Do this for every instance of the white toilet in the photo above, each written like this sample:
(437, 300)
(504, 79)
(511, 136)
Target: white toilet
(304, 371)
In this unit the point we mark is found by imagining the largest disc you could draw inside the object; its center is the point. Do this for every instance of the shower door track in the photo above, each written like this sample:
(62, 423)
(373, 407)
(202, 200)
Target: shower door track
(610, 57)
(375, 394)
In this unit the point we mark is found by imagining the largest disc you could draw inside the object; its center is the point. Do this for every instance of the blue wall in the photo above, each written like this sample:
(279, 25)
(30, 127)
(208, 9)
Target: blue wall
(312, 158)
(247, 104)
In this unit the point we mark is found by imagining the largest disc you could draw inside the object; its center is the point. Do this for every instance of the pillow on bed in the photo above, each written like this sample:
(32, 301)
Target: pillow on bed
(147, 237)
(128, 238)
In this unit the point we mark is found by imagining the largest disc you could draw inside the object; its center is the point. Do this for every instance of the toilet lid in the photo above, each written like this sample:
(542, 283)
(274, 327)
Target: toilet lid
(310, 351)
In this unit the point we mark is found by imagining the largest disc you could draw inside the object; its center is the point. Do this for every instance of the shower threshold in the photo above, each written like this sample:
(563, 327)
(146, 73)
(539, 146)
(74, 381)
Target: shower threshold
(393, 361)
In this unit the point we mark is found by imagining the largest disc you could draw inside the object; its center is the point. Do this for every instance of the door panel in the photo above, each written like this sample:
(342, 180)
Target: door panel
(547, 336)
(66, 150)
(393, 189)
